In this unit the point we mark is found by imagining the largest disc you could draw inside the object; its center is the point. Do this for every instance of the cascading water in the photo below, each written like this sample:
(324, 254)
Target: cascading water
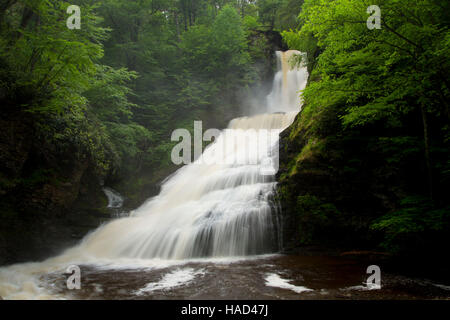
(218, 206)
(220, 209)
(287, 83)
(115, 203)
(115, 200)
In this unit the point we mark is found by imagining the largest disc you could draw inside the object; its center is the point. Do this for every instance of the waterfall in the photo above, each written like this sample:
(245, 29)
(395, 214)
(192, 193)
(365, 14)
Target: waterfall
(218, 209)
(218, 206)
(115, 200)
(115, 203)
(287, 83)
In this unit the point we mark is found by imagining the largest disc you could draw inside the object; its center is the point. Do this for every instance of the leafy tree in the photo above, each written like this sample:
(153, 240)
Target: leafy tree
(46, 66)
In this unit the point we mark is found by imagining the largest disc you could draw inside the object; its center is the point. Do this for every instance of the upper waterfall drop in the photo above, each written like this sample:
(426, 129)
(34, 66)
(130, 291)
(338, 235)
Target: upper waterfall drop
(290, 79)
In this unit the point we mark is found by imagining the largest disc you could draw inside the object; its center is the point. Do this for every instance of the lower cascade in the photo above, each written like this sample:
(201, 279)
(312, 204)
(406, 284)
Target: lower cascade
(216, 208)
(207, 210)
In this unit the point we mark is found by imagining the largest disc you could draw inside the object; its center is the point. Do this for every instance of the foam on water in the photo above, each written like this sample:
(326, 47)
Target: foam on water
(173, 279)
(274, 280)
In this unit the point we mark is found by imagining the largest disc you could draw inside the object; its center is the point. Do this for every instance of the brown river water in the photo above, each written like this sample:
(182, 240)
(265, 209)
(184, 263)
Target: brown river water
(267, 277)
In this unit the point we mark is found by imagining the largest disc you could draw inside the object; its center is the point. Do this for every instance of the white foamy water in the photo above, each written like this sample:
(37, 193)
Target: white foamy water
(115, 200)
(287, 84)
(171, 280)
(219, 206)
(274, 280)
(366, 287)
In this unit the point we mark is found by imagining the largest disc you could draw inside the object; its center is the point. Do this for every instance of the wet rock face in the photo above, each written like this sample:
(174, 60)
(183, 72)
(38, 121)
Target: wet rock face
(39, 192)
(14, 147)
(322, 202)
(50, 199)
(31, 232)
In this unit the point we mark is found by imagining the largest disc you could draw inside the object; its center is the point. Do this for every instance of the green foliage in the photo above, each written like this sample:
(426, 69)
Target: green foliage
(279, 14)
(111, 93)
(82, 136)
(108, 93)
(396, 149)
(183, 71)
(216, 54)
(406, 226)
(250, 23)
(229, 44)
(52, 72)
(38, 177)
(131, 141)
(315, 217)
(378, 99)
(268, 11)
(375, 71)
(47, 66)
(287, 15)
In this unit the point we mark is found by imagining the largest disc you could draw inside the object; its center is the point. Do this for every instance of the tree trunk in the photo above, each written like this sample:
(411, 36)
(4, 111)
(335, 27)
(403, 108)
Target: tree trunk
(427, 151)
(177, 24)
